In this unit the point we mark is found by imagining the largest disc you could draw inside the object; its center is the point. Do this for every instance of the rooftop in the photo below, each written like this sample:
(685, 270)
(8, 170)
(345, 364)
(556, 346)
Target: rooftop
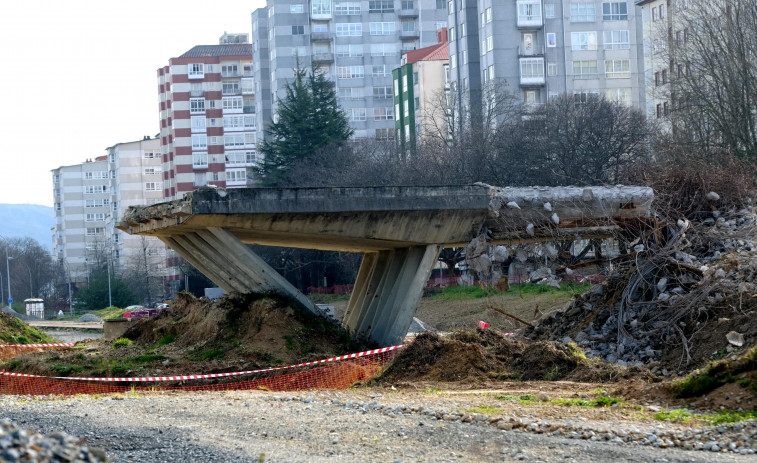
(218, 50)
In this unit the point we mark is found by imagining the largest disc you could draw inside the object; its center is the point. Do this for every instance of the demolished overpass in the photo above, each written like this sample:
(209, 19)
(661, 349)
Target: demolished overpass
(399, 230)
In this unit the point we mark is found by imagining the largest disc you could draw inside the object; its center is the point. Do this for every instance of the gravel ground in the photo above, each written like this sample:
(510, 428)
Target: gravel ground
(362, 425)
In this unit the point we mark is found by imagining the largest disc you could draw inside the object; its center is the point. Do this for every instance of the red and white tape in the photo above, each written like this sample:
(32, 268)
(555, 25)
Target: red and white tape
(212, 375)
(62, 344)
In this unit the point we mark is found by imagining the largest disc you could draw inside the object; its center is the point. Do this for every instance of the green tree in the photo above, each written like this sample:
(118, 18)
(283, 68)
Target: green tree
(308, 121)
(95, 295)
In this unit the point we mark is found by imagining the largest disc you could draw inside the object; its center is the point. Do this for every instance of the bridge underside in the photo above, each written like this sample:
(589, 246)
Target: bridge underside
(400, 230)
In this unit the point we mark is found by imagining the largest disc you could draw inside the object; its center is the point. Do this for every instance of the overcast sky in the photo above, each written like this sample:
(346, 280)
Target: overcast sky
(80, 76)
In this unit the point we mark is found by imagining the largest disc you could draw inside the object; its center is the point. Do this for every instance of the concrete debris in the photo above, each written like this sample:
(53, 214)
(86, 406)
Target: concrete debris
(712, 196)
(736, 339)
(548, 206)
(682, 295)
(530, 229)
(513, 205)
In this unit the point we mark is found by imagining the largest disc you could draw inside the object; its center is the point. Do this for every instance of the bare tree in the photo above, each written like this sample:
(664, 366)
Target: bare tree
(713, 79)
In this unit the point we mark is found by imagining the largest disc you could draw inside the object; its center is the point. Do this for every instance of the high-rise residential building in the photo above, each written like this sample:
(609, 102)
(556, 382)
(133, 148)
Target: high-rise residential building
(89, 198)
(657, 25)
(421, 91)
(540, 49)
(207, 117)
(356, 44)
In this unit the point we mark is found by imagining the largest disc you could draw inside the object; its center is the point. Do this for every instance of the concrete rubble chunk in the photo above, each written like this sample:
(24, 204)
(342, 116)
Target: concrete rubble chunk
(735, 338)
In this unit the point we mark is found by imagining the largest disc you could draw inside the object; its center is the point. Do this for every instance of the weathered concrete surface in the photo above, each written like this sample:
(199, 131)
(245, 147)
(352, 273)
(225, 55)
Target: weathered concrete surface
(400, 230)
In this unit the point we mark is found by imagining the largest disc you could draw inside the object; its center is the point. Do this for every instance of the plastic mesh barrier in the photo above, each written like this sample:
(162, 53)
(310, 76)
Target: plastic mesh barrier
(337, 373)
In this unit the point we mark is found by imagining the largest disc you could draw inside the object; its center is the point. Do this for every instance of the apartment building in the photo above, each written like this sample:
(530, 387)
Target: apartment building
(356, 44)
(92, 196)
(657, 26)
(540, 49)
(421, 90)
(207, 117)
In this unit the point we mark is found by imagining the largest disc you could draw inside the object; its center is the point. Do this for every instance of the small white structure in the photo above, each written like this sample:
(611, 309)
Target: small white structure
(35, 308)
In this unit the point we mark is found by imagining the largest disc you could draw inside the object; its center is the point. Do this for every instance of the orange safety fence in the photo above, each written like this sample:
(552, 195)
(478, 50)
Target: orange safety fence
(335, 373)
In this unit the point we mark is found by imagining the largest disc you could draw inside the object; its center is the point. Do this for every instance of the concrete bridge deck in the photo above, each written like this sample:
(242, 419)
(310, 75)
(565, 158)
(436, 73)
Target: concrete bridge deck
(400, 230)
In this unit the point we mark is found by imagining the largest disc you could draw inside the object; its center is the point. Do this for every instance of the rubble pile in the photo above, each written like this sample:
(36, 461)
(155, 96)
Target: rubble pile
(673, 306)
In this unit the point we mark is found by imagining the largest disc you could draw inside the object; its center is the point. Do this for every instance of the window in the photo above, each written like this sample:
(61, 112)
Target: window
(200, 160)
(383, 49)
(250, 138)
(582, 12)
(657, 78)
(233, 140)
(659, 110)
(615, 11)
(95, 231)
(152, 186)
(382, 114)
(151, 155)
(232, 103)
(586, 69)
(380, 70)
(153, 170)
(57, 206)
(531, 68)
(584, 96)
(347, 8)
(408, 26)
(233, 122)
(247, 86)
(383, 28)
(661, 14)
(196, 105)
(488, 14)
(531, 97)
(196, 71)
(489, 43)
(350, 72)
(321, 7)
(616, 40)
(551, 69)
(236, 175)
(551, 39)
(382, 92)
(349, 51)
(350, 93)
(95, 217)
(298, 30)
(549, 10)
(664, 76)
(94, 189)
(198, 123)
(529, 11)
(583, 40)
(357, 114)
(385, 134)
(297, 8)
(349, 29)
(617, 68)
(453, 61)
(382, 6)
(407, 4)
(199, 142)
(619, 95)
(230, 70)
(96, 202)
(406, 108)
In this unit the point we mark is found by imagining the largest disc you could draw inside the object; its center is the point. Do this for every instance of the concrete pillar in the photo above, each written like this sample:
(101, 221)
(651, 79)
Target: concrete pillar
(387, 291)
(231, 265)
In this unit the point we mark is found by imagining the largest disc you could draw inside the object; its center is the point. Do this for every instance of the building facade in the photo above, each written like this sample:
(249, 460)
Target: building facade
(657, 25)
(356, 44)
(91, 197)
(540, 49)
(421, 91)
(207, 117)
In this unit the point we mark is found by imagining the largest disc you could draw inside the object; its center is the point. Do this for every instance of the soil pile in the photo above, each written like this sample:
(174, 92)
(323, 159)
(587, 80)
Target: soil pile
(478, 357)
(236, 332)
(14, 331)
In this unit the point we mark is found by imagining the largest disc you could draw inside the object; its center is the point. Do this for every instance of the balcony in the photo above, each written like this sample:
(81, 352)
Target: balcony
(408, 13)
(231, 74)
(323, 58)
(196, 93)
(529, 14)
(532, 72)
(248, 109)
(231, 91)
(410, 35)
(530, 51)
(321, 36)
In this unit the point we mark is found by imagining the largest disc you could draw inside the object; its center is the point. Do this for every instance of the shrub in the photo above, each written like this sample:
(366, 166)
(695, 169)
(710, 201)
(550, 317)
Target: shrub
(121, 342)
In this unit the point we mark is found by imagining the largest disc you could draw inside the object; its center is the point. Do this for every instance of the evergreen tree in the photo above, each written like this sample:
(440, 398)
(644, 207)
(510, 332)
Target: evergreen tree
(309, 119)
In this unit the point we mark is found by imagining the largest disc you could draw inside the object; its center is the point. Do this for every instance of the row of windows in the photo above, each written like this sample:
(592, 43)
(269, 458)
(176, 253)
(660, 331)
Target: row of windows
(356, 72)
(93, 189)
(230, 122)
(586, 12)
(379, 114)
(197, 105)
(99, 175)
(230, 140)
(198, 70)
(354, 93)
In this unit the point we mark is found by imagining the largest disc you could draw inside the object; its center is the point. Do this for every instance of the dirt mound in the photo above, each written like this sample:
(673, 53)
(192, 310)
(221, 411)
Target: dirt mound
(236, 332)
(15, 331)
(479, 356)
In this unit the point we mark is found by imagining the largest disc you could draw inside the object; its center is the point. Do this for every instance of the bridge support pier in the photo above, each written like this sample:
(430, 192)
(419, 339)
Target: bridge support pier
(387, 291)
(231, 265)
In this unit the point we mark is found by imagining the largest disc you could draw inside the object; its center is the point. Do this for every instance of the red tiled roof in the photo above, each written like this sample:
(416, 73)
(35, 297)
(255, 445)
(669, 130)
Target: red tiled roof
(434, 52)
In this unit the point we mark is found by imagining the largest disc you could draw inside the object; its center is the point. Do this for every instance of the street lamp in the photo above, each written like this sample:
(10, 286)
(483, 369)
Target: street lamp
(8, 274)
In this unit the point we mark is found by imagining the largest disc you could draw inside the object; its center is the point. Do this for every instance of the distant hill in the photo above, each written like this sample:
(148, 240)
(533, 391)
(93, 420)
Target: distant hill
(27, 220)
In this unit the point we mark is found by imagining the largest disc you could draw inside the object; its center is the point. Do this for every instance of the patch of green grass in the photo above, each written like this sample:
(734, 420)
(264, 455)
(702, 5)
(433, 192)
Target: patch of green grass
(13, 363)
(65, 370)
(675, 416)
(121, 342)
(574, 402)
(14, 331)
(109, 312)
(146, 358)
(212, 354)
(289, 341)
(731, 416)
(166, 339)
(524, 399)
(484, 409)
(716, 374)
(606, 401)
(457, 293)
